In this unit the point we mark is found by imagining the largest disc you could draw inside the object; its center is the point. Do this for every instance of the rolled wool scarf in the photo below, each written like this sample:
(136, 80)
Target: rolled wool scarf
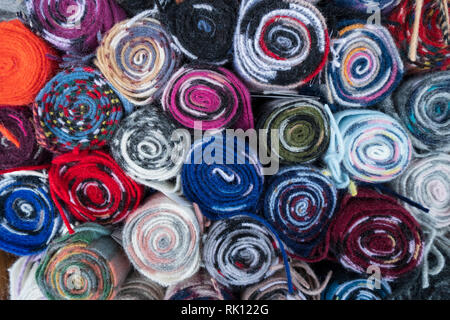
(77, 109)
(203, 29)
(375, 148)
(239, 251)
(24, 64)
(72, 26)
(18, 144)
(427, 181)
(303, 127)
(90, 186)
(433, 45)
(422, 104)
(300, 203)
(150, 149)
(365, 6)
(29, 220)
(222, 174)
(275, 287)
(162, 240)
(357, 289)
(365, 66)
(138, 287)
(200, 286)
(279, 44)
(209, 96)
(372, 229)
(137, 57)
(22, 280)
(87, 265)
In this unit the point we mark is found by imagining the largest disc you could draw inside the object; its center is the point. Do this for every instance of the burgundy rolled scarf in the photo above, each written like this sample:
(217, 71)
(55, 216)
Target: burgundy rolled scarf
(72, 26)
(372, 229)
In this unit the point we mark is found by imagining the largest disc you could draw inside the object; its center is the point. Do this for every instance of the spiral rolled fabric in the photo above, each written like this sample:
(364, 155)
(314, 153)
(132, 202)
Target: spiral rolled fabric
(77, 109)
(302, 125)
(209, 96)
(300, 203)
(365, 66)
(356, 289)
(200, 286)
(29, 220)
(22, 280)
(25, 65)
(226, 182)
(279, 45)
(90, 186)
(150, 149)
(86, 265)
(137, 56)
(203, 29)
(433, 45)
(72, 26)
(138, 287)
(18, 144)
(275, 287)
(372, 229)
(162, 240)
(422, 105)
(365, 6)
(239, 251)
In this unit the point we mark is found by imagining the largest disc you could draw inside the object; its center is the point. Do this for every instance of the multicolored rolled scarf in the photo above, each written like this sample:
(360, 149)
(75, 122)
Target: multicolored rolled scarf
(422, 105)
(427, 181)
(299, 203)
(72, 26)
(90, 186)
(372, 229)
(150, 149)
(222, 174)
(203, 29)
(275, 287)
(433, 44)
(137, 57)
(279, 44)
(162, 240)
(138, 287)
(200, 286)
(28, 218)
(374, 147)
(87, 265)
(365, 6)
(302, 125)
(18, 144)
(365, 66)
(207, 96)
(22, 280)
(77, 109)
(239, 251)
(356, 289)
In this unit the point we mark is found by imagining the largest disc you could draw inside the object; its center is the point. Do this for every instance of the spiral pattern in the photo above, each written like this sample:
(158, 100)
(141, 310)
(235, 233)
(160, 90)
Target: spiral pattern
(28, 219)
(162, 240)
(203, 29)
(92, 187)
(427, 181)
(137, 287)
(138, 57)
(223, 175)
(376, 148)
(422, 104)
(88, 265)
(303, 127)
(365, 67)
(24, 65)
(149, 148)
(18, 144)
(356, 289)
(77, 109)
(279, 44)
(300, 203)
(211, 96)
(239, 251)
(371, 229)
(72, 26)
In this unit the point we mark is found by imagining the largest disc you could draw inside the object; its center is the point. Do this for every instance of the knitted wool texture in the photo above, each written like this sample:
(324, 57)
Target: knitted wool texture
(365, 6)
(138, 287)
(353, 288)
(22, 280)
